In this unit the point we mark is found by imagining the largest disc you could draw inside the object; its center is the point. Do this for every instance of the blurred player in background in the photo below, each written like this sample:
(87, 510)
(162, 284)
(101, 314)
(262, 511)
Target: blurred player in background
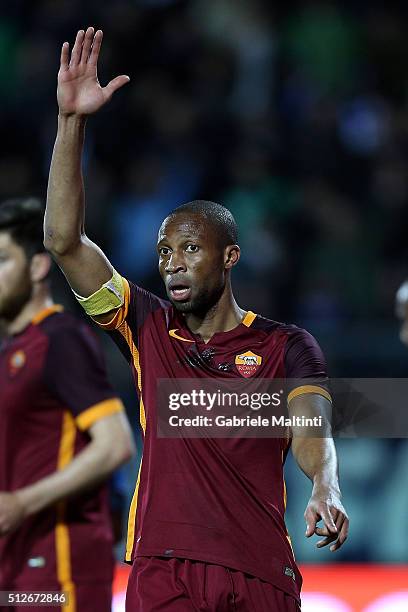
(62, 430)
(206, 525)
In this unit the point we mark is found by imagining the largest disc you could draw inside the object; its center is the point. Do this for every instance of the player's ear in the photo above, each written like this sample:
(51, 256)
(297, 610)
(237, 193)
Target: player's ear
(40, 267)
(232, 255)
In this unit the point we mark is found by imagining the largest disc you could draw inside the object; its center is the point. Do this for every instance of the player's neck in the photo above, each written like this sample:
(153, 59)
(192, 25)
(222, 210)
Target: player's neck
(224, 316)
(30, 309)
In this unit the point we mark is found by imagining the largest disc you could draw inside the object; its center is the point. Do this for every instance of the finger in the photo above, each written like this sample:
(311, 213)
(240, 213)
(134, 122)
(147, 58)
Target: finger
(322, 531)
(342, 526)
(115, 84)
(311, 520)
(326, 541)
(328, 519)
(76, 51)
(340, 520)
(96, 47)
(342, 536)
(335, 512)
(64, 56)
(86, 47)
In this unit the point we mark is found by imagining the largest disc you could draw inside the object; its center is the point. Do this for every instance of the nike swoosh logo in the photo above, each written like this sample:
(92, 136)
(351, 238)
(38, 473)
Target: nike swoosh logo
(173, 334)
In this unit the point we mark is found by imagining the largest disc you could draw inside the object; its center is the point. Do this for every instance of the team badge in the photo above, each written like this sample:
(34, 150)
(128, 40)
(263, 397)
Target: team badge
(17, 362)
(248, 363)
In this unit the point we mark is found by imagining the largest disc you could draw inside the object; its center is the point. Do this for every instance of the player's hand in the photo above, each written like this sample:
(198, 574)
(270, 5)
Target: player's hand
(79, 91)
(12, 512)
(325, 505)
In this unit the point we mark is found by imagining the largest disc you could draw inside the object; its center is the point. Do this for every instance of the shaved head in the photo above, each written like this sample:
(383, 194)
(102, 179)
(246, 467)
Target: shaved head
(219, 217)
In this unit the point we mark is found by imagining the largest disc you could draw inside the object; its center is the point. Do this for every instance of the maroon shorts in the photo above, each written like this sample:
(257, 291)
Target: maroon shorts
(86, 597)
(179, 585)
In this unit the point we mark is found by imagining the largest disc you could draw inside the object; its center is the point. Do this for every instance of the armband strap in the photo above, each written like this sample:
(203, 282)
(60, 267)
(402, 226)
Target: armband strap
(109, 297)
(309, 389)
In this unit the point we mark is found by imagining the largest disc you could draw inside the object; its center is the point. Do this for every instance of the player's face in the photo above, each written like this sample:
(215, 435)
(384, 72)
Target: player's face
(15, 282)
(191, 263)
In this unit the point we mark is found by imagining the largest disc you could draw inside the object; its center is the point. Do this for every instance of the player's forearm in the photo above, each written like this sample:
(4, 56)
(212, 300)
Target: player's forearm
(64, 217)
(88, 468)
(317, 458)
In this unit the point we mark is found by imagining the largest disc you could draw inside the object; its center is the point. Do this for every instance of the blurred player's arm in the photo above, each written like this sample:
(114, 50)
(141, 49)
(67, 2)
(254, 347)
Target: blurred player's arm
(317, 458)
(111, 445)
(79, 94)
(74, 374)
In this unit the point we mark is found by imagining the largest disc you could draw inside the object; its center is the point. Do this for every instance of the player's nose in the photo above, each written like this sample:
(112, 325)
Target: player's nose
(175, 263)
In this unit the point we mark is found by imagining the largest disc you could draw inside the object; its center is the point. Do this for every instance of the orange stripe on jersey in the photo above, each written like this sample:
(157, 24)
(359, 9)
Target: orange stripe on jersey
(98, 411)
(66, 449)
(120, 314)
(43, 314)
(284, 507)
(62, 543)
(132, 519)
(309, 389)
(173, 333)
(291, 547)
(249, 318)
(126, 332)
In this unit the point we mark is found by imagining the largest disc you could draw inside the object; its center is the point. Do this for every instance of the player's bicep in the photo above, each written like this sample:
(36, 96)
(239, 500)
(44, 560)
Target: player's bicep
(85, 267)
(310, 413)
(113, 427)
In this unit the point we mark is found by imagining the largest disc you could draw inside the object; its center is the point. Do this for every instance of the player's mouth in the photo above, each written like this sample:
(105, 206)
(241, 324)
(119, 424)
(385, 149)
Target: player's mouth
(179, 289)
(180, 293)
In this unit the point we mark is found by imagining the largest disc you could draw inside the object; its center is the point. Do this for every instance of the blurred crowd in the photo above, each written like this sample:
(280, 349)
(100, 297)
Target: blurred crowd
(293, 116)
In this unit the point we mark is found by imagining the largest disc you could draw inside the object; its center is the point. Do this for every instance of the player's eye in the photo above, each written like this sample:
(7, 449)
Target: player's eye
(164, 251)
(192, 248)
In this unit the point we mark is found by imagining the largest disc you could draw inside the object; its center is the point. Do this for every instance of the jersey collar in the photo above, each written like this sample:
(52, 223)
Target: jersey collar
(183, 333)
(46, 312)
(248, 319)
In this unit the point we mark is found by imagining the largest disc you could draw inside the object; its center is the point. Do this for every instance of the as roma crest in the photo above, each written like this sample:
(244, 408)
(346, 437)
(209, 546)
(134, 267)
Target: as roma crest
(248, 363)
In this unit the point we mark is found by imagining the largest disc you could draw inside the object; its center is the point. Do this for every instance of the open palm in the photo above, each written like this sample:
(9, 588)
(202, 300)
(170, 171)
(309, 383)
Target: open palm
(79, 91)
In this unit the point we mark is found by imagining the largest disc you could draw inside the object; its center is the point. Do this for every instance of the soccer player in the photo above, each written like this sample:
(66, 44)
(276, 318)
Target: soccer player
(62, 431)
(206, 525)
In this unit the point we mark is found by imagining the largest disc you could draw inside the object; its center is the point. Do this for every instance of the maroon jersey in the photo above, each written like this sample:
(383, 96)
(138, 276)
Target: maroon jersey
(216, 500)
(53, 387)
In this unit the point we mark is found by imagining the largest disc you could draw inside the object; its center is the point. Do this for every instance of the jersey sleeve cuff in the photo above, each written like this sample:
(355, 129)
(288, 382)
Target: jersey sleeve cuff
(94, 413)
(303, 389)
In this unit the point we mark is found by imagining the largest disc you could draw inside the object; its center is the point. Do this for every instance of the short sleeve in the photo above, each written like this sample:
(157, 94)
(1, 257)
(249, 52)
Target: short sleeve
(304, 359)
(75, 374)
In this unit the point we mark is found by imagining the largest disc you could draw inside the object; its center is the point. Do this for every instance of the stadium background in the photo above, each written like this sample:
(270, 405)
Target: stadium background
(294, 117)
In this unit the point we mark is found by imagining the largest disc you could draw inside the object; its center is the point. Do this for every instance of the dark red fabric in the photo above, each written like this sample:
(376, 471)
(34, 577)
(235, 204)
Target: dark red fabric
(46, 370)
(215, 500)
(181, 585)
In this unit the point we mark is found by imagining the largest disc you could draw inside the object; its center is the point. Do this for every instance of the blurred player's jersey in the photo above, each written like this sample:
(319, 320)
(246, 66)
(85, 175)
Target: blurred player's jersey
(53, 387)
(216, 500)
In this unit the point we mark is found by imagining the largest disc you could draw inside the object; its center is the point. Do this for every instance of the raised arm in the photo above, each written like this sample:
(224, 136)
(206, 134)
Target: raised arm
(79, 94)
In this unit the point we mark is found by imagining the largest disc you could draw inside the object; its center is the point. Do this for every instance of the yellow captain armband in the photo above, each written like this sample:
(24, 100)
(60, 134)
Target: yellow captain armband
(109, 297)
